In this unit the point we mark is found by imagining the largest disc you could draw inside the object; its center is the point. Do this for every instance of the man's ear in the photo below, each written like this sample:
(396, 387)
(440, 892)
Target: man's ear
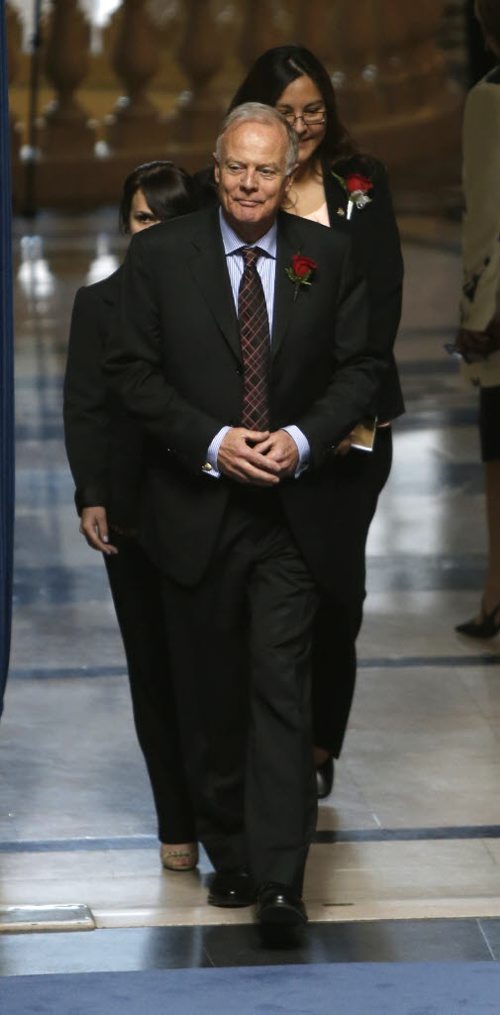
(216, 168)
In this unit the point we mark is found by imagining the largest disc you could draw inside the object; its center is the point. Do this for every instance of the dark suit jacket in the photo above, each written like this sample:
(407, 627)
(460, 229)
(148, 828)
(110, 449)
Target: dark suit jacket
(103, 443)
(175, 358)
(377, 254)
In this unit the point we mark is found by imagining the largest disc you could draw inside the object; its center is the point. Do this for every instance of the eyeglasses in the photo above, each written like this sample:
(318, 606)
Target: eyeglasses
(308, 117)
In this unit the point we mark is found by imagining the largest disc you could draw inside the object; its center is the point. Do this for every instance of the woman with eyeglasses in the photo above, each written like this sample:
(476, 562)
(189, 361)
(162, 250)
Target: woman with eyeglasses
(104, 449)
(339, 188)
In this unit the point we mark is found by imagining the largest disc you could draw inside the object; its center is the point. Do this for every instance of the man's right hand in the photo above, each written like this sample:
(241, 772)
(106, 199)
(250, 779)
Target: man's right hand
(240, 459)
(94, 526)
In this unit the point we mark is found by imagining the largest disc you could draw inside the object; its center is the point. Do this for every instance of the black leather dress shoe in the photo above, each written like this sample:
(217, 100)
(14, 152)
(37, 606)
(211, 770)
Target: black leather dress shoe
(279, 906)
(231, 889)
(324, 778)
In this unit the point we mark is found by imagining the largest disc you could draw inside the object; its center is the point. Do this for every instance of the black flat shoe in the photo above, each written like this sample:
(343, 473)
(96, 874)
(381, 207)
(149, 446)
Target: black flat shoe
(324, 778)
(231, 889)
(487, 627)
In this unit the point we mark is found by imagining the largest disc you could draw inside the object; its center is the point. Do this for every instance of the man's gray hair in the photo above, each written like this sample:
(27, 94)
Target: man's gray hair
(257, 112)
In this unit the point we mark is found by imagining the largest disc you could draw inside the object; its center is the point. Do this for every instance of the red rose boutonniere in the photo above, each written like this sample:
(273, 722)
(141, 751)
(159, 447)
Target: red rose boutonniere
(300, 270)
(356, 187)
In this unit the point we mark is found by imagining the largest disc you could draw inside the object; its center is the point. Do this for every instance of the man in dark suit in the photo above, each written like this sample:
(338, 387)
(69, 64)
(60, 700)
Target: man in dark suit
(245, 367)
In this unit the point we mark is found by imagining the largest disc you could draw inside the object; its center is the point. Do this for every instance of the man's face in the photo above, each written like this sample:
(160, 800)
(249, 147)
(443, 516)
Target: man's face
(251, 177)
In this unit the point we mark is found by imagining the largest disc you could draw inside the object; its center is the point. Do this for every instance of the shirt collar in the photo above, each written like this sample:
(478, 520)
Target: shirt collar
(232, 242)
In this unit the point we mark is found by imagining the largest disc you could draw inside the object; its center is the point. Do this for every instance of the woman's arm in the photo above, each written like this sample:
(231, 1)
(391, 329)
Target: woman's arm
(86, 424)
(481, 225)
(377, 250)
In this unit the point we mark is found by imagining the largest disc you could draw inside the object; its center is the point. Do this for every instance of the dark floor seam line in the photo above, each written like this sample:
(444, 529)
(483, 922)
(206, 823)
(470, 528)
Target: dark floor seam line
(461, 832)
(70, 672)
(387, 663)
(324, 836)
(410, 662)
(86, 845)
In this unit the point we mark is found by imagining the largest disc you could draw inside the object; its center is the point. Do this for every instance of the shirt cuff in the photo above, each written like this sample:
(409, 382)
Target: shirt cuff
(303, 448)
(210, 466)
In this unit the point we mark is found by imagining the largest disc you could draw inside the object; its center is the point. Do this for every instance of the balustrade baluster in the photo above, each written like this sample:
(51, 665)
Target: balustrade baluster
(200, 110)
(316, 30)
(266, 23)
(135, 124)
(391, 80)
(65, 127)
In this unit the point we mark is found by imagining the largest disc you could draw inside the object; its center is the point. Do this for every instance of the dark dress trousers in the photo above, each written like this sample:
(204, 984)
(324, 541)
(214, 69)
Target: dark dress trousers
(104, 448)
(175, 358)
(359, 476)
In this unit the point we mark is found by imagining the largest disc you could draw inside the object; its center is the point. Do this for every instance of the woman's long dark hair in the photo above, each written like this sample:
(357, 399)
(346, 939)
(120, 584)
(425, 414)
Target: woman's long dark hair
(168, 189)
(274, 70)
(489, 18)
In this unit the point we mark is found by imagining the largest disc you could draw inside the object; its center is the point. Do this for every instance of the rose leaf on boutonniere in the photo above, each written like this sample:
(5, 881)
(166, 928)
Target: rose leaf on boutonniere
(356, 187)
(300, 271)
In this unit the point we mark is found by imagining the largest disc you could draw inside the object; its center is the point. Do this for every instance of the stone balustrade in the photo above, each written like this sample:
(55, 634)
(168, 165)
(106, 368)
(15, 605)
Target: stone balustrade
(160, 82)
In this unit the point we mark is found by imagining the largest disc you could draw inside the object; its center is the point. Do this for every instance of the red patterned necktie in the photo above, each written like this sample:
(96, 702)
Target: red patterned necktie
(254, 337)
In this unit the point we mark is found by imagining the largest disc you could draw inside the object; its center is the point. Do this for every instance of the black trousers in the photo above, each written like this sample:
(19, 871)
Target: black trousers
(241, 645)
(137, 596)
(338, 619)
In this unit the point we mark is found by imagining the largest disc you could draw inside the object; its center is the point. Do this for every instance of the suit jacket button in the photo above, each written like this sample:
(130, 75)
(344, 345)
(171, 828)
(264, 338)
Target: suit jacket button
(206, 467)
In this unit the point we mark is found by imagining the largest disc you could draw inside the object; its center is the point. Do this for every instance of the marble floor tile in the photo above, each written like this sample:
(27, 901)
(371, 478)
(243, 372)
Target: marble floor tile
(219, 945)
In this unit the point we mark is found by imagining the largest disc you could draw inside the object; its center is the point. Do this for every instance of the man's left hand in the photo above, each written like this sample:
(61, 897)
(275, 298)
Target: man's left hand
(282, 449)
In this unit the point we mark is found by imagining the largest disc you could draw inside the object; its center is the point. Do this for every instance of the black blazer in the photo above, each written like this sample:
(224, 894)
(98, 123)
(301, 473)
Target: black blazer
(174, 357)
(377, 253)
(103, 443)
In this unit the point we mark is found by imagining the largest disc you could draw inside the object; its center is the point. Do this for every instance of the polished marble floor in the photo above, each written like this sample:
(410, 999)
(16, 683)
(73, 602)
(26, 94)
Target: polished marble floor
(407, 859)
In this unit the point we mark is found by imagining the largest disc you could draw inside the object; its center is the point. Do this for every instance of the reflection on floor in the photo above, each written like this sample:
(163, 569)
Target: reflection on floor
(411, 835)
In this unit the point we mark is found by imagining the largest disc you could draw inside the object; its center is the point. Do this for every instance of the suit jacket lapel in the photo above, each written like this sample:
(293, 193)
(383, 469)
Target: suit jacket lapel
(208, 265)
(336, 197)
(288, 245)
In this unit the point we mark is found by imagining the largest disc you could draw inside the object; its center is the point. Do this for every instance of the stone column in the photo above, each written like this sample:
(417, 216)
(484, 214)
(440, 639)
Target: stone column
(65, 130)
(393, 85)
(267, 23)
(201, 108)
(135, 124)
(315, 27)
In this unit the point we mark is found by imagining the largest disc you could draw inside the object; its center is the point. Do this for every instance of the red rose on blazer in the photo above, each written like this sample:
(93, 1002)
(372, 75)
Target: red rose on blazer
(356, 187)
(300, 270)
(355, 183)
(303, 267)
